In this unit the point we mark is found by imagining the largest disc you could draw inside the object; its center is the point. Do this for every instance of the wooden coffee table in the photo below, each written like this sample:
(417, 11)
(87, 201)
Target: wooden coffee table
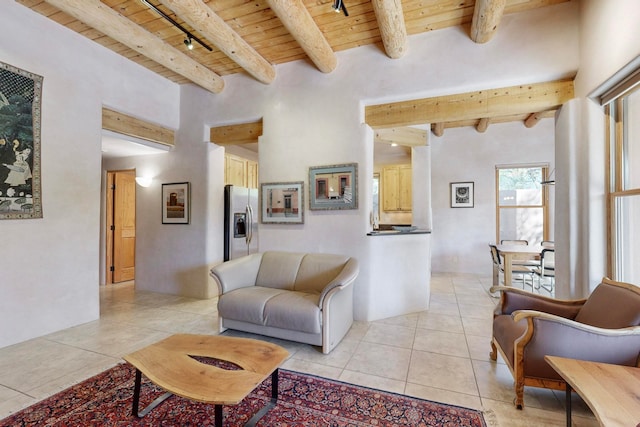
(168, 364)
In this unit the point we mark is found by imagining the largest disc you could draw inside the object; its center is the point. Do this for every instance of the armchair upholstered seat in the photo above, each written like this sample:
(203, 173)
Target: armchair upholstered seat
(602, 328)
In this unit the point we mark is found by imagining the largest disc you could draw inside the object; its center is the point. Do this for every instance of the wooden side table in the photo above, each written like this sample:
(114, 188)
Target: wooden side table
(611, 391)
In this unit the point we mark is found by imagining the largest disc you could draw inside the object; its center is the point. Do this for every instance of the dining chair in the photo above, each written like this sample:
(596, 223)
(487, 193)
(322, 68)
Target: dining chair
(546, 270)
(547, 243)
(517, 271)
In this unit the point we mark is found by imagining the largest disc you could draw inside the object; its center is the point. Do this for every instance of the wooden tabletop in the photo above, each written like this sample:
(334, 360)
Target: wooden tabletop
(167, 364)
(611, 391)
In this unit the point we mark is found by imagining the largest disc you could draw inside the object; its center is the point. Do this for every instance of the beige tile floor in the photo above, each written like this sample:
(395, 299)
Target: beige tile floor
(440, 354)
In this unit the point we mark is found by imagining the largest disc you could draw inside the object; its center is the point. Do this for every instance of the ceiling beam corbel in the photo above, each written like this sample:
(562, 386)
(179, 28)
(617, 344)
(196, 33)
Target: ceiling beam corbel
(532, 120)
(482, 125)
(392, 26)
(486, 18)
(204, 20)
(438, 129)
(98, 15)
(300, 24)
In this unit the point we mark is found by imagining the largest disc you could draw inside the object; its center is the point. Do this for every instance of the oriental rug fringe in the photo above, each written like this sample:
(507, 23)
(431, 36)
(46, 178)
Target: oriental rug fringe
(304, 401)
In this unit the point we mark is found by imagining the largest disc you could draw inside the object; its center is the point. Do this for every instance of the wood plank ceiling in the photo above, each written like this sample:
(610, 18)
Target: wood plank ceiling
(250, 36)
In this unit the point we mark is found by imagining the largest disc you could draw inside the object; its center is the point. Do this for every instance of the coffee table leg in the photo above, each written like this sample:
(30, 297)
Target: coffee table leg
(136, 398)
(218, 415)
(273, 402)
(568, 398)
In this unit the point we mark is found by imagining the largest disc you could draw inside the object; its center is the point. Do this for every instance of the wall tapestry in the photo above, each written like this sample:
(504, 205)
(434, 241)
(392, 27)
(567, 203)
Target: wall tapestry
(20, 103)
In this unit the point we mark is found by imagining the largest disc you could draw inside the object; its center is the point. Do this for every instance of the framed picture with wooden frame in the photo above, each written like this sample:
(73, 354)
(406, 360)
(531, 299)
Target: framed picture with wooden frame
(282, 203)
(333, 187)
(176, 203)
(461, 194)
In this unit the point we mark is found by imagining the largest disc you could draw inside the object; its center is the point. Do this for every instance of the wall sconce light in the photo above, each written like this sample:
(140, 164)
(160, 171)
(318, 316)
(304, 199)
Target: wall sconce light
(144, 181)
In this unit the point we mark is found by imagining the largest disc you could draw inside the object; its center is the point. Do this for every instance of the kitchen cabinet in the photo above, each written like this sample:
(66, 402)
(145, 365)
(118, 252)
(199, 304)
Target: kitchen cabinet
(240, 172)
(397, 188)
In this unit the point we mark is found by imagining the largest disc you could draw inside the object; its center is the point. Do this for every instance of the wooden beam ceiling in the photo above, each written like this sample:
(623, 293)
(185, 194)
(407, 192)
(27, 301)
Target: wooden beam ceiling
(236, 134)
(392, 28)
(213, 28)
(407, 136)
(254, 36)
(128, 125)
(484, 104)
(109, 22)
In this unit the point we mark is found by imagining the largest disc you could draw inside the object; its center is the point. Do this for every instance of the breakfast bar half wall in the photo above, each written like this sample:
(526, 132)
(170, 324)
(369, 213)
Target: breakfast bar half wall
(400, 269)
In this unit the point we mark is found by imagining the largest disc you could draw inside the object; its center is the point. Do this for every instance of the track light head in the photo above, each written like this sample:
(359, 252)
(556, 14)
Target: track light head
(188, 43)
(338, 6)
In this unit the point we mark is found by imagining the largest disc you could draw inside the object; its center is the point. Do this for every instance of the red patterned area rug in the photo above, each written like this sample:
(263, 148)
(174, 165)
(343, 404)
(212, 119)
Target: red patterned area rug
(304, 400)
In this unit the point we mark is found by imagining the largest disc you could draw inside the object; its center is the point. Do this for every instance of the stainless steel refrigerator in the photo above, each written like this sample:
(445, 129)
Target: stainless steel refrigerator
(240, 221)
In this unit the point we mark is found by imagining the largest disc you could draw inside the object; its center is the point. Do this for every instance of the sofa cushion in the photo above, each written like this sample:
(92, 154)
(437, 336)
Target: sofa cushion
(246, 304)
(297, 311)
(318, 270)
(279, 270)
(611, 307)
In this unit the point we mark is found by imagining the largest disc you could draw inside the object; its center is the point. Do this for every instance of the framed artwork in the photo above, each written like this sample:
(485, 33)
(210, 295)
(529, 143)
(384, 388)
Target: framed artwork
(176, 201)
(333, 187)
(461, 194)
(20, 111)
(282, 203)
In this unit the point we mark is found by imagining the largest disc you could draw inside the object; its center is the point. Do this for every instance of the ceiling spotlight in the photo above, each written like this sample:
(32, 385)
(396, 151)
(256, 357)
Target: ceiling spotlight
(338, 5)
(188, 43)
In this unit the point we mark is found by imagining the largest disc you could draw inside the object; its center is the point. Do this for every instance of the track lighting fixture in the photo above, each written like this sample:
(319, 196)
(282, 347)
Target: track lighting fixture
(190, 37)
(338, 6)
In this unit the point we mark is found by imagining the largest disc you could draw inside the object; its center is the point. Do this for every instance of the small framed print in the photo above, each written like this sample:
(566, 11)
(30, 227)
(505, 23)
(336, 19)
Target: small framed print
(461, 194)
(175, 203)
(282, 203)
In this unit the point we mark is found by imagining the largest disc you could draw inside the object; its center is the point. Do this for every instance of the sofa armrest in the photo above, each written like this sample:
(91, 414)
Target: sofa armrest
(343, 279)
(237, 273)
(513, 299)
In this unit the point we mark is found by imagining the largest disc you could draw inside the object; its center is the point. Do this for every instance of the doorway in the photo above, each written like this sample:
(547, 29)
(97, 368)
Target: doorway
(120, 226)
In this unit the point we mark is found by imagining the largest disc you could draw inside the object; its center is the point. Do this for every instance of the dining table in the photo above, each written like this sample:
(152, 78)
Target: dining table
(509, 252)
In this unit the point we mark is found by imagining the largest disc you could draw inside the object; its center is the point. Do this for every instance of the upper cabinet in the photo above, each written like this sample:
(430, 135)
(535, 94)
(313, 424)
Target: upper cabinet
(241, 172)
(396, 188)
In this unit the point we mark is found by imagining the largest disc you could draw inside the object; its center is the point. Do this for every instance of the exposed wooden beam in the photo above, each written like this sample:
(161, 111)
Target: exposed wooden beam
(532, 120)
(482, 125)
(204, 20)
(392, 27)
(106, 20)
(437, 129)
(411, 137)
(486, 18)
(471, 105)
(237, 134)
(300, 24)
(128, 125)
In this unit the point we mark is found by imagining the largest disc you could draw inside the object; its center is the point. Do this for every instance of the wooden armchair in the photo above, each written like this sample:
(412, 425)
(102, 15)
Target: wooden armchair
(527, 326)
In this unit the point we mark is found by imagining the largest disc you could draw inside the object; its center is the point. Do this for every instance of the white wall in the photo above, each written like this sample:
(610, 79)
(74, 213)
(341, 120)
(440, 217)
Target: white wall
(609, 41)
(460, 237)
(50, 266)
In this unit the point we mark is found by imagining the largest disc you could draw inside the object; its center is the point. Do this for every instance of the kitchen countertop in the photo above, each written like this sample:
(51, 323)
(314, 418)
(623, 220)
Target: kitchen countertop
(397, 233)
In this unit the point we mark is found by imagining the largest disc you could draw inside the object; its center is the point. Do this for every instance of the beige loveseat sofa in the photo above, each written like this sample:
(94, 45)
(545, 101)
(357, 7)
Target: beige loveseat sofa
(303, 297)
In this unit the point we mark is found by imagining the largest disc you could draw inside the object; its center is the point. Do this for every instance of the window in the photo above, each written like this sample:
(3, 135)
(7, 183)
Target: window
(623, 115)
(521, 199)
